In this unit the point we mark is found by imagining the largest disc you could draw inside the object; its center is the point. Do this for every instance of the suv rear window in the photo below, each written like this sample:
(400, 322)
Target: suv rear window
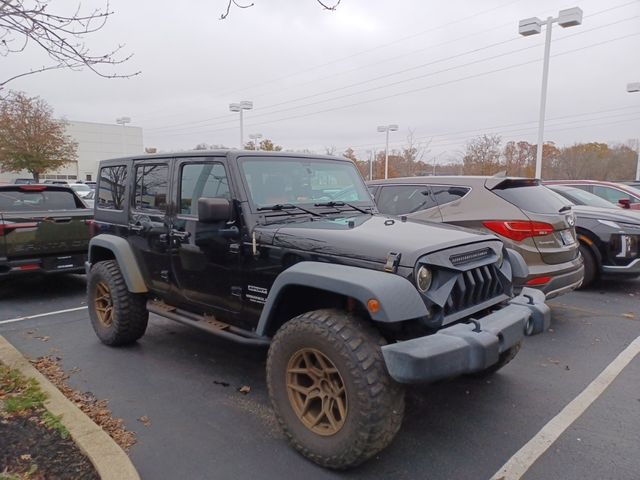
(26, 201)
(531, 197)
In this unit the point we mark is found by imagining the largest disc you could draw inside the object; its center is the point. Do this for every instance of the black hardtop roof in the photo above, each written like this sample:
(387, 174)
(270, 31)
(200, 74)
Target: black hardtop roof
(229, 153)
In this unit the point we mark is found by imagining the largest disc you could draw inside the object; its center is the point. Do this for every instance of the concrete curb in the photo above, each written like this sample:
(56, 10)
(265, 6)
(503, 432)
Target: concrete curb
(110, 461)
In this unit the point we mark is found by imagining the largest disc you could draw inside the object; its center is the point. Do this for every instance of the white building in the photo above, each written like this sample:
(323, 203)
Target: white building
(96, 141)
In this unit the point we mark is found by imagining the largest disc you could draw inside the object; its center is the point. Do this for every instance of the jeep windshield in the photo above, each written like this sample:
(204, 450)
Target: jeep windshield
(282, 184)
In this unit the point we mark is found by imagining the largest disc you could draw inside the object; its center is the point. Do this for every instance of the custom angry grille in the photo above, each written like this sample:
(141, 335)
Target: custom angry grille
(472, 288)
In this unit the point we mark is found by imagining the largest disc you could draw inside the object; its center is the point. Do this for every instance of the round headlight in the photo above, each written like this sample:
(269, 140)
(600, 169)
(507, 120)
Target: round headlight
(424, 278)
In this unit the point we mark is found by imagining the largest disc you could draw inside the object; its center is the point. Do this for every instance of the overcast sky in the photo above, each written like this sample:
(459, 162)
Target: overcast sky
(445, 70)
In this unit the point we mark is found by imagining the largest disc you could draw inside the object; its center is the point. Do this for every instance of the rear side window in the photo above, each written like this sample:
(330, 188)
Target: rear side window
(448, 193)
(201, 180)
(151, 187)
(532, 198)
(31, 201)
(112, 184)
(404, 199)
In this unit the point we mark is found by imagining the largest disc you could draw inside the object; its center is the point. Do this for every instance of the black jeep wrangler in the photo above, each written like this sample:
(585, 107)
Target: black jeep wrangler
(288, 251)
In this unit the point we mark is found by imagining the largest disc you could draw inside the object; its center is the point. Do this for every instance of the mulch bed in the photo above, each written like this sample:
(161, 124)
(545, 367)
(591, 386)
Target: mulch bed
(34, 444)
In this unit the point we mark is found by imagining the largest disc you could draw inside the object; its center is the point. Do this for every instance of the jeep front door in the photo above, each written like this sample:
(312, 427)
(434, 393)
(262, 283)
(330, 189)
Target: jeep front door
(205, 256)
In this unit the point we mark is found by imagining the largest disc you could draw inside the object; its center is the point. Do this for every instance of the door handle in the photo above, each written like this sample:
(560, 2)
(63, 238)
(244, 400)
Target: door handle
(179, 234)
(136, 227)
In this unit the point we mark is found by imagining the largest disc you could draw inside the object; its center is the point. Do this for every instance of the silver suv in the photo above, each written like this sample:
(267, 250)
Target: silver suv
(524, 214)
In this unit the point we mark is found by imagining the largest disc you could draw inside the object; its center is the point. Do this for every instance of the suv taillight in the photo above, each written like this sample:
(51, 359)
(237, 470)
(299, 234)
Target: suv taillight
(518, 230)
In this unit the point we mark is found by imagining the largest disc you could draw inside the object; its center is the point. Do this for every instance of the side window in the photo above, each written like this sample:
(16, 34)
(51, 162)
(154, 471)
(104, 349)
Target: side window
(400, 200)
(611, 194)
(448, 193)
(112, 183)
(151, 187)
(199, 180)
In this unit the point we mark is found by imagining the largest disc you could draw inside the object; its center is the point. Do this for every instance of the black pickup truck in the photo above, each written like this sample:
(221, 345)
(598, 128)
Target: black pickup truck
(43, 229)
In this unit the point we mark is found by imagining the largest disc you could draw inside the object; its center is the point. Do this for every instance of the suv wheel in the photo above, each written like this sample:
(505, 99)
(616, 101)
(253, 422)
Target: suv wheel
(330, 389)
(590, 266)
(118, 316)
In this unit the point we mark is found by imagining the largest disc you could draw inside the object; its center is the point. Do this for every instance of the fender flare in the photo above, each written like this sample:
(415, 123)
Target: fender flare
(125, 258)
(519, 268)
(399, 299)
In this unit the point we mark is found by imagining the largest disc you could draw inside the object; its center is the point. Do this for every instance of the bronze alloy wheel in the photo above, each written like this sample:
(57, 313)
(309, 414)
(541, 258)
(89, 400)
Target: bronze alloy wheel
(103, 304)
(316, 391)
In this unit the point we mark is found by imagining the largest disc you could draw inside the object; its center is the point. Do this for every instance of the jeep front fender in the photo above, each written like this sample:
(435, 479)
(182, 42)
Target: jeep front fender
(399, 299)
(124, 256)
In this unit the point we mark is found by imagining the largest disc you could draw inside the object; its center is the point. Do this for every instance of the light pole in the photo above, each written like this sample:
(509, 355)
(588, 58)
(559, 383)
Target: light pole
(255, 137)
(387, 129)
(240, 107)
(532, 26)
(633, 88)
(123, 121)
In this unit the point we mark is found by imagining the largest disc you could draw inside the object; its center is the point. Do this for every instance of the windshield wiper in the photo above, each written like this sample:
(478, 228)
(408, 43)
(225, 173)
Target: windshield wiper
(287, 206)
(339, 203)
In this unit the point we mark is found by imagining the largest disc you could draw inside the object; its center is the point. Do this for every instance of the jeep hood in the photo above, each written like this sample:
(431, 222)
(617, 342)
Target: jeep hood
(368, 238)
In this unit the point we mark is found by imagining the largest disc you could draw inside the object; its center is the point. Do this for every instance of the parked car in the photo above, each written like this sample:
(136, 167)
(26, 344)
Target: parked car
(523, 213)
(253, 247)
(89, 199)
(56, 182)
(608, 236)
(633, 183)
(43, 229)
(90, 184)
(616, 193)
(81, 189)
(23, 181)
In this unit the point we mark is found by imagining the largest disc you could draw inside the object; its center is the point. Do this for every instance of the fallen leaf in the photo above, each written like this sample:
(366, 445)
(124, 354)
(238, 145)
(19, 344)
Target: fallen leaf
(628, 315)
(44, 338)
(244, 389)
(26, 457)
(145, 421)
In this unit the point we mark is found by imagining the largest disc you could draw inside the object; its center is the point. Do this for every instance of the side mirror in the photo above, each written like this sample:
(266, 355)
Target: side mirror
(625, 203)
(212, 210)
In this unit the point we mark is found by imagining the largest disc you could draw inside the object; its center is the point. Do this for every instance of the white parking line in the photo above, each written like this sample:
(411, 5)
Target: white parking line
(524, 458)
(19, 319)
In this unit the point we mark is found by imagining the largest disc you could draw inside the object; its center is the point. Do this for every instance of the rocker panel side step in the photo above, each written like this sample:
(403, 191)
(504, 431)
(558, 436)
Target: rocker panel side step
(207, 324)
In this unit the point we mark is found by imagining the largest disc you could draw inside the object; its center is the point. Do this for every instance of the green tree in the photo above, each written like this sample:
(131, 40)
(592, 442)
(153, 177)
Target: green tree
(30, 138)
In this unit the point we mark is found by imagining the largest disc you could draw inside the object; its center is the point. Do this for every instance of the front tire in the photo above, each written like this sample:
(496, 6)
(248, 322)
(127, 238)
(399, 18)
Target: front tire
(330, 389)
(118, 316)
(590, 266)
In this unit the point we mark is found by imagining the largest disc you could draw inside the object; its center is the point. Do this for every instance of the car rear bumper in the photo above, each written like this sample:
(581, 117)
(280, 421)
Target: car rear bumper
(65, 263)
(467, 347)
(564, 278)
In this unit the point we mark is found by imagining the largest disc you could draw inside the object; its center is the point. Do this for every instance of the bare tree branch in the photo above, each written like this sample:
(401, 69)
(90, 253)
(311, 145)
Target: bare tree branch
(234, 2)
(24, 22)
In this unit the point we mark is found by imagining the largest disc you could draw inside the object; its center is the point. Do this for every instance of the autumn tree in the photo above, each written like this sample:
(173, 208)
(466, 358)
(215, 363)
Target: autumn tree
(268, 146)
(30, 138)
(59, 34)
(482, 155)
(520, 158)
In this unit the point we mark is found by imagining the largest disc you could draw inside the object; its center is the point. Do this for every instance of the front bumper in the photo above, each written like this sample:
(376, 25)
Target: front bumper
(467, 347)
(631, 269)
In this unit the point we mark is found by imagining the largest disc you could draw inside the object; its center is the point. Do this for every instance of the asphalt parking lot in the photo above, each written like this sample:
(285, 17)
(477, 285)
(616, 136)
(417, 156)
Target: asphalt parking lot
(201, 426)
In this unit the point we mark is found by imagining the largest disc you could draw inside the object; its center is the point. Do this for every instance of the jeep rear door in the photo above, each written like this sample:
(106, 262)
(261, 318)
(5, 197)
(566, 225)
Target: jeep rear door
(149, 222)
(205, 257)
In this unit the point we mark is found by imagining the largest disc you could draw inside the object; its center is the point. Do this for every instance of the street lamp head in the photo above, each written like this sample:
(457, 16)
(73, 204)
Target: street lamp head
(246, 105)
(382, 128)
(393, 128)
(234, 107)
(633, 87)
(123, 120)
(530, 26)
(570, 17)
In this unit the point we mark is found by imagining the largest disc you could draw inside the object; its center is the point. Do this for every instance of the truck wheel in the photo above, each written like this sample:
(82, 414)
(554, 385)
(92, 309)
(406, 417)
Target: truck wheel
(590, 266)
(504, 358)
(118, 316)
(330, 389)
